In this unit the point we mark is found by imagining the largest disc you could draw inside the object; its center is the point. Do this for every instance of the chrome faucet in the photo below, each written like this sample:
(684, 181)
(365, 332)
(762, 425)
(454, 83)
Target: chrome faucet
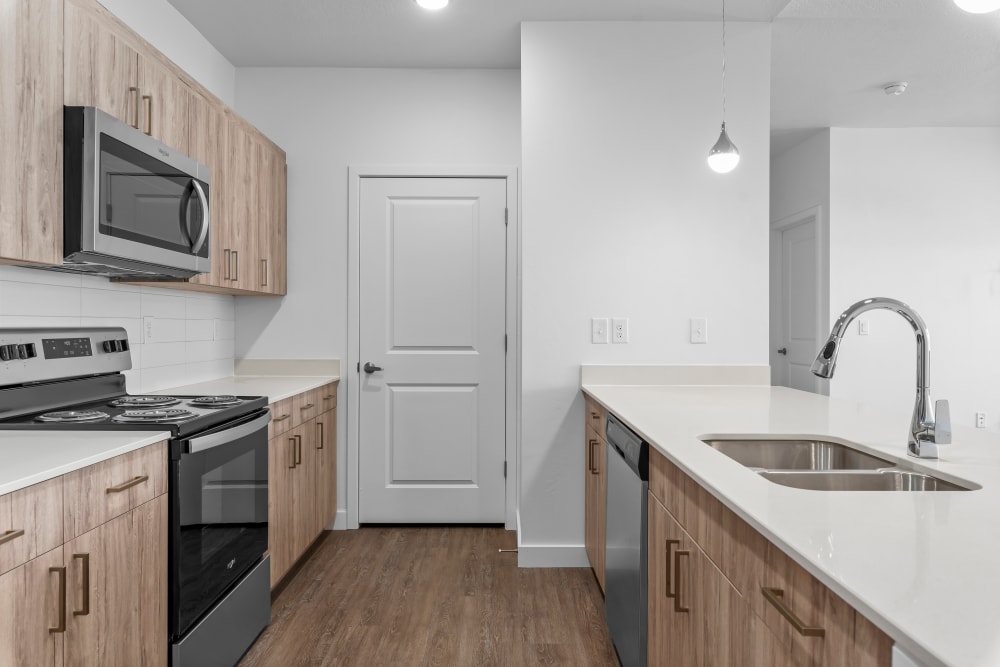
(926, 432)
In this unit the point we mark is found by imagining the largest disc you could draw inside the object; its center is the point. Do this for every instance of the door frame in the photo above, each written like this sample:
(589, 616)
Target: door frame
(512, 390)
(778, 227)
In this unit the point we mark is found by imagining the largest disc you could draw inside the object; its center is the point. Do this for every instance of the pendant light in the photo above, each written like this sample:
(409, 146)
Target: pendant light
(724, 155)
(432, 5)
(978, 6)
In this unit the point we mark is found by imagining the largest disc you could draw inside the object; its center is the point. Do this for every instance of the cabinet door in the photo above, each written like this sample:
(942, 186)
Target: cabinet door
(149, 522)
(305, 487)
(266, 206)
(671, 638)
(596, 511)
(241, 206)
(103, 595)
(30, 605)
(279, 226)
(165, 103)
(31, 126)
(326, 469)
(209, 144)
(101, 68)
(280, 504)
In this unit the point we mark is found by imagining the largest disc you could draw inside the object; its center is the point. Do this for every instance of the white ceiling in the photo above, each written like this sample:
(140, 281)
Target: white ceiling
(830, 58)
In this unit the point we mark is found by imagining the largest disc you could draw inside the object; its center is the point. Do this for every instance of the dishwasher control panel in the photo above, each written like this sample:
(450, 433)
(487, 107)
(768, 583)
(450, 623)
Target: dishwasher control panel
(631, 447)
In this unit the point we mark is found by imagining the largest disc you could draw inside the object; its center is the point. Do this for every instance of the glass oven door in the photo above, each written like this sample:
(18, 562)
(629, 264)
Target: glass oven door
(218, 514)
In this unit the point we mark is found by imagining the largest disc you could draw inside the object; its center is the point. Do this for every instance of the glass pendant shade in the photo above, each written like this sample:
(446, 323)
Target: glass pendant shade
(724, 155)
(978, 6)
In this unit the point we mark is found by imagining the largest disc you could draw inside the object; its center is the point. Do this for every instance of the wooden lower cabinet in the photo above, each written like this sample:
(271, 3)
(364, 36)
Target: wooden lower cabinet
(595, 489)
(302, 484)
(708, 572)
(100, 597)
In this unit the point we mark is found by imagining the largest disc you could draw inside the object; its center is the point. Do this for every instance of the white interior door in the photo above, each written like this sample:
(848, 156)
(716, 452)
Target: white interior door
(432, 319)
(798, 299)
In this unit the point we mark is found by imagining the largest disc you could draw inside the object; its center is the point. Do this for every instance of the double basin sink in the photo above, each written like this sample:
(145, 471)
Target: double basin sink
(820, 465)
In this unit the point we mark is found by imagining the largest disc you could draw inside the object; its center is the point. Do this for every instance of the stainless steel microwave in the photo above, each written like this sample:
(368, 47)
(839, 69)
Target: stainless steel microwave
(133, 207)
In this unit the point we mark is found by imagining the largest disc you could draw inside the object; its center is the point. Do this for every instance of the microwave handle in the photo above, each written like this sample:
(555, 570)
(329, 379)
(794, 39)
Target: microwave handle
(228, 435)
(186, 221)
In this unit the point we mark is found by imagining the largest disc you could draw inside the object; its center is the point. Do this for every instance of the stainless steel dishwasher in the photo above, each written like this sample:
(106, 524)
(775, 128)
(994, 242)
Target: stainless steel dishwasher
(625, 565)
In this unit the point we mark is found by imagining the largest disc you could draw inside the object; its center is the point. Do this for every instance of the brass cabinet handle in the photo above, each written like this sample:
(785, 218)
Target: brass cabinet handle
(594, 415)
(329, 397)
(134, 102)
(776, 597)
(11, 535)
(228, 262)
(319, 435)
(677, 574)
(85, 563)
(591, 459)
(135, 481)
(298, 449)
(308, 406)
(280, 419)
(263, 271)
(61, 623)
(236, 265)
(666, 561)
(148, 99)
(292, 441)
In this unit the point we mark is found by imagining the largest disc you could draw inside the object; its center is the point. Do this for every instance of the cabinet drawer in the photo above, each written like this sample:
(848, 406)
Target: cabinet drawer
(327, 395)
(281, 418)
(305, 406)
(96, 494)
(31, 522)
(597, 416)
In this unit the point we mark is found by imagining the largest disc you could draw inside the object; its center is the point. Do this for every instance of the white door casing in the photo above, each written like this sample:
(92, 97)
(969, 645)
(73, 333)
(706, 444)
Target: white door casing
(432, 311)
(798, 303)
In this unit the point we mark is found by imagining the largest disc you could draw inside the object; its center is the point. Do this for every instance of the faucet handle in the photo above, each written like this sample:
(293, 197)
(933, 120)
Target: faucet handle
(942, 422)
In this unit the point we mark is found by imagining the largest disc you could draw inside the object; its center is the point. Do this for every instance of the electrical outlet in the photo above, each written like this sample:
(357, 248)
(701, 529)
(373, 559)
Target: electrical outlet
(699, 330)
(619, 330)
(599, 330)
(980, 420)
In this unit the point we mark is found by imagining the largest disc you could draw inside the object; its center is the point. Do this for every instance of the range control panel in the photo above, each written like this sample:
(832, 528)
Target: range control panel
(36, 355)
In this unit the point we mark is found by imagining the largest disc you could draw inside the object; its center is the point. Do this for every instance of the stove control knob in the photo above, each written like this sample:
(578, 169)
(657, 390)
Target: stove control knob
(27, 351)
(123, 345)
(6, 352)
(110, 346)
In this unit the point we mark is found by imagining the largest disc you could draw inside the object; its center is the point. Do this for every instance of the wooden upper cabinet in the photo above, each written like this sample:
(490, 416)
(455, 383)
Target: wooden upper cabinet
(31, 122)
(241, 206)
(266, 207)
(209, 144)
(164, 105)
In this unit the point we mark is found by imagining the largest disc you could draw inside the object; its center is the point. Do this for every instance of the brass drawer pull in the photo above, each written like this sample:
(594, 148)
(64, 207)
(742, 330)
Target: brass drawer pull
(263, 272)
(308, 406)
(776, 597)
(298, 449)
(590, 456)
(319, 435)
(133, 94)
(228, 262)
(135, 481)
(148, 99)
(291, 440)
(329, 397)
(85, 561)
(669, 587)
(677, 573)
(11, 535)
(61, 623)
(280, 419)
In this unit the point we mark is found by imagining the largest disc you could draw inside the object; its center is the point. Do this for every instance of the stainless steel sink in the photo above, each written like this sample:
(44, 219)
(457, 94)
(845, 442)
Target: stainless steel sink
(797, 455)
(821, 465)
(874, 480)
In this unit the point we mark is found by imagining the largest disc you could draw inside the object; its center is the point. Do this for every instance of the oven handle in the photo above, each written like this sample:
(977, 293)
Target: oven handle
(228, 435)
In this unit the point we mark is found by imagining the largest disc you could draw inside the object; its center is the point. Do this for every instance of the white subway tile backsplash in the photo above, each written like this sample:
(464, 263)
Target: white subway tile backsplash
(38, 299)
(109, 303)
(200, 330)
(177, 319)
(163, 354)
(162, 305)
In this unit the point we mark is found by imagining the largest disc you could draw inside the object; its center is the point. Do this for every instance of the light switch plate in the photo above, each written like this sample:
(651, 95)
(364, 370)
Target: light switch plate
(863, 328)
(599, 333)
(699, 330)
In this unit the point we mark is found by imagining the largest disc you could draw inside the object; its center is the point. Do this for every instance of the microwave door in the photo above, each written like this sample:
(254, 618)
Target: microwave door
(195, 209)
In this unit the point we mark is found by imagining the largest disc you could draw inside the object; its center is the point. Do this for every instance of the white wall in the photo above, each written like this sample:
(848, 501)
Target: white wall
(190, 335)
(913, 215)
(621, 216)
(326, 120)
(160, 24)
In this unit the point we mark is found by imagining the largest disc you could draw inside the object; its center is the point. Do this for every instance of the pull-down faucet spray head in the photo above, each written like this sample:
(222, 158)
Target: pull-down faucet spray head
(826, 360)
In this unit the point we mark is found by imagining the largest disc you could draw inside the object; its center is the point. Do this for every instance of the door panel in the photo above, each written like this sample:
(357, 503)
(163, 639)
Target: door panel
(799, 307)
(433, 265)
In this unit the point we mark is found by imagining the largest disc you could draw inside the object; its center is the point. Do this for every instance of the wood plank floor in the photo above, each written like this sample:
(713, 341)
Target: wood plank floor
(432, 596)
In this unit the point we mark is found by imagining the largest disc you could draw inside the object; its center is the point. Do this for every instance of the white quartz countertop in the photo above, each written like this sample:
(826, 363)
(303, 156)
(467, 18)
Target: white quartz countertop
(30, 457)
(923, 566)
(275, 387)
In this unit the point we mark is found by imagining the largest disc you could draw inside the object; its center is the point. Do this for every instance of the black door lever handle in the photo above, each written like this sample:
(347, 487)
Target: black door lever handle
(371, 368)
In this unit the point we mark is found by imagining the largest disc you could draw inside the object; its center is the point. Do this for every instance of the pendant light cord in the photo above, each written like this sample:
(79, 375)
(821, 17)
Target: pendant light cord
(723, 62)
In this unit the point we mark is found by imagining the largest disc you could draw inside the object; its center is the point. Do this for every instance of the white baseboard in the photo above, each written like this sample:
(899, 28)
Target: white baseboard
(339, 521)
(549, 555)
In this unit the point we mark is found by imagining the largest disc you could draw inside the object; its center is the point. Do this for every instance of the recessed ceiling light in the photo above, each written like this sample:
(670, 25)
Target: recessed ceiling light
(432, 4)
(978, 6)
